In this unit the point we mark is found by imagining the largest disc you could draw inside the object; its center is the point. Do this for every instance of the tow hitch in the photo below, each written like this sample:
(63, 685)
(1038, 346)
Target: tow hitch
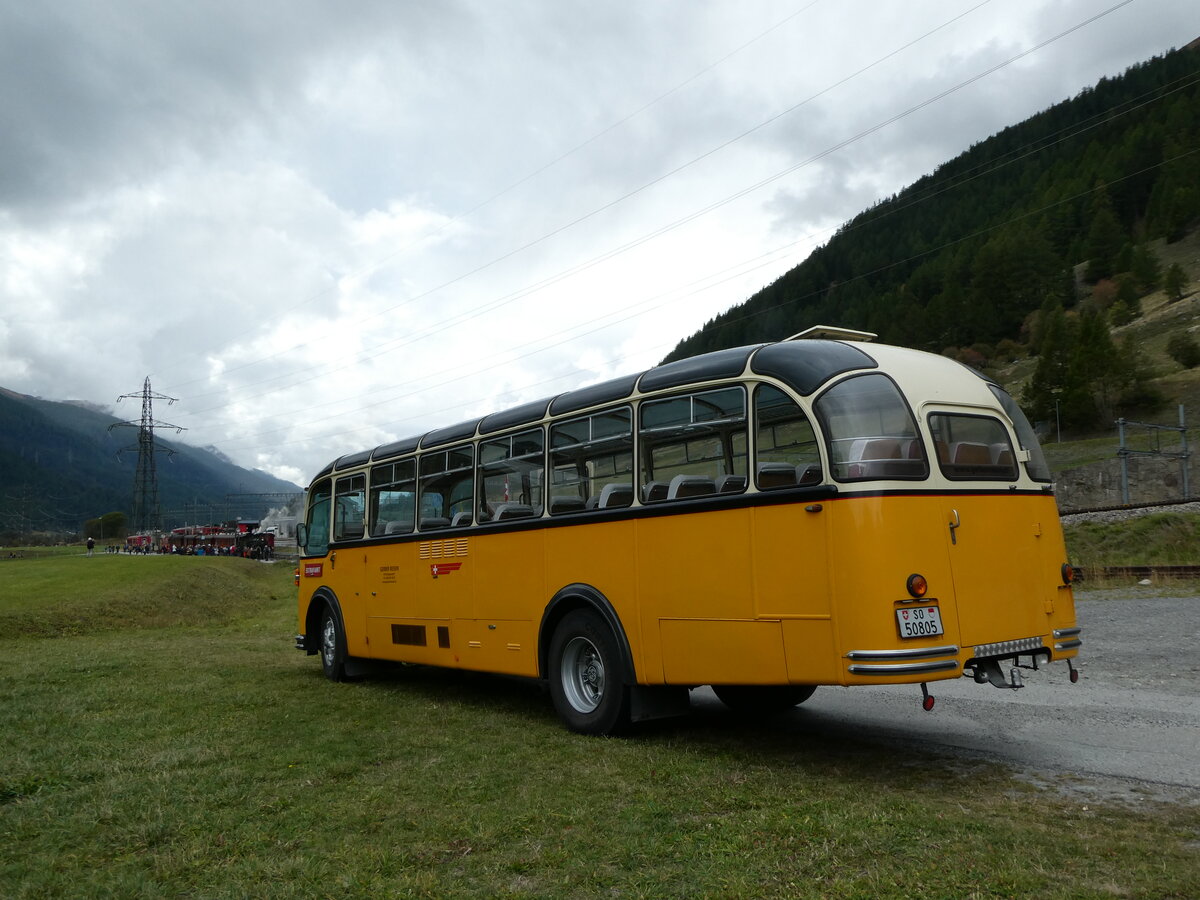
(988, 671)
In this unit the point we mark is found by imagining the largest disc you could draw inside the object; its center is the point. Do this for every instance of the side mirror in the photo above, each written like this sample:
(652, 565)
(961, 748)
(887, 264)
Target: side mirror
(302, 535)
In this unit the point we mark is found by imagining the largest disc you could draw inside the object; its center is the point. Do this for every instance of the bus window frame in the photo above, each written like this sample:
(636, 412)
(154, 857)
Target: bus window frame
(891, 472)
(723, 431)
(949, 469)
(806, 478)
(625, 442)
(426, 477)
(536, 505)
(374, 489)
(340, 534)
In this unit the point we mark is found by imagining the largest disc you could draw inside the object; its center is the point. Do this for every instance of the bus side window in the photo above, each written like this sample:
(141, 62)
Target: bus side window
(977, 447)
(871, 431)
(785, 445)
(349, 508)
(690, 442)
(511, 472)
(446, 495)
(317, 520)
(587, 455)
(393, 505)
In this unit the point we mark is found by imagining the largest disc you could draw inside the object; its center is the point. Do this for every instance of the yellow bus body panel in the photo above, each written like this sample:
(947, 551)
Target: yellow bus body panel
(770, 594)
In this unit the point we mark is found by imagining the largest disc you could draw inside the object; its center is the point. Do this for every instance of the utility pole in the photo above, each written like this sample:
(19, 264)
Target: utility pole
(146, 515)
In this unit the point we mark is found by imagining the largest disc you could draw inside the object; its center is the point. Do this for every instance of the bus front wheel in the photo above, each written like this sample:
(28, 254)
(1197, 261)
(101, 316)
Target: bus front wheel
(585, 675)
(762, 699)
(333, 646)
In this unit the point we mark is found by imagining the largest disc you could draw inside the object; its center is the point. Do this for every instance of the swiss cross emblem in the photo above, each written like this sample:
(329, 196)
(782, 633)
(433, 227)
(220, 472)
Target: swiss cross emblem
(904, 613)
(444, 568)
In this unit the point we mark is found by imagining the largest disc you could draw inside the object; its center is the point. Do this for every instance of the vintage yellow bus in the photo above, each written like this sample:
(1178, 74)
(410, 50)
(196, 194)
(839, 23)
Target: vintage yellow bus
(764, 519)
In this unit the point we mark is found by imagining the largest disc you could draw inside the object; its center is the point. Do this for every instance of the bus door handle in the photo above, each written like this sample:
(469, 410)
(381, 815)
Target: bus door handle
(956, 523)
(333, 560)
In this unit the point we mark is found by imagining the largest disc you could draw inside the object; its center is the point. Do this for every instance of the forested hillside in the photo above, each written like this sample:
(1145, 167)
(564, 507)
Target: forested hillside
(1052, 214)
(59, 467)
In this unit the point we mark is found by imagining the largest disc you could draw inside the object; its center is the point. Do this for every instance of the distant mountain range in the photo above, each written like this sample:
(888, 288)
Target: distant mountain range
(59, 467)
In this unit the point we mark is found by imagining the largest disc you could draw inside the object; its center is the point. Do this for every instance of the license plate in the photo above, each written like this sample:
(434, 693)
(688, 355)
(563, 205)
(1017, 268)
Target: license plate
(919, 621)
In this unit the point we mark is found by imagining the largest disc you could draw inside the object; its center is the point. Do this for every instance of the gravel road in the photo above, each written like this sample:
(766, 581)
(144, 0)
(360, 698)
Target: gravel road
(1129, 729)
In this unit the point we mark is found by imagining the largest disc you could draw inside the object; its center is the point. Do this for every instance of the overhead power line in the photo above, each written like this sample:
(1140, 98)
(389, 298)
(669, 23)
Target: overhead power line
(505, 300)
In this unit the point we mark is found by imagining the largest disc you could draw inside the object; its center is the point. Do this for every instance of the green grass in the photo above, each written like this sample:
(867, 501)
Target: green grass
(190, 751)
(1160, 539)
(71, 593)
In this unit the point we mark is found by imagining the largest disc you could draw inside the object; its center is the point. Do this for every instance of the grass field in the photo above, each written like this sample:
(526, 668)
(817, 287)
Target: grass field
(162, 738)
(1159, 539)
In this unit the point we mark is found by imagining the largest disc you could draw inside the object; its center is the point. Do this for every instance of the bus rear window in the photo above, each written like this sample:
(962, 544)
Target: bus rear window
(871, 431)
(972, 447)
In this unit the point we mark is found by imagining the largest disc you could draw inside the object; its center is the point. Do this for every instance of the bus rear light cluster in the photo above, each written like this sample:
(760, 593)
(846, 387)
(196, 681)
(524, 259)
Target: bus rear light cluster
(917, 586)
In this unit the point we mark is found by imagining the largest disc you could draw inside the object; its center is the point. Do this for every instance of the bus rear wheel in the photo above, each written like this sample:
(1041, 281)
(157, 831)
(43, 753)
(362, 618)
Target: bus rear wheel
(585, 675)
(762, 699)
(333, 646)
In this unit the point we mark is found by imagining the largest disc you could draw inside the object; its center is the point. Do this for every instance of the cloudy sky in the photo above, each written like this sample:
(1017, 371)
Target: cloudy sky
(324, 226)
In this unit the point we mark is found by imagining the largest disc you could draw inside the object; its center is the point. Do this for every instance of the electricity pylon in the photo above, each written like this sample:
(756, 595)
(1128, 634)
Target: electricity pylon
(146, 515)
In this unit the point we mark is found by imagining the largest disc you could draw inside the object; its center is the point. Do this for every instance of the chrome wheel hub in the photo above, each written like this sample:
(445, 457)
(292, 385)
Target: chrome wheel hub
(582, 674)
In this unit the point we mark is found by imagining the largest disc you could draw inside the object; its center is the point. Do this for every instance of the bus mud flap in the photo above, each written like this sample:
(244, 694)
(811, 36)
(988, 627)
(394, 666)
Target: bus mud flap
(657, 702)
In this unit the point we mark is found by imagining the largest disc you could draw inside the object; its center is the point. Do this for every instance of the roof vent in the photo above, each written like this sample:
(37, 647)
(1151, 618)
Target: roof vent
(830, 332)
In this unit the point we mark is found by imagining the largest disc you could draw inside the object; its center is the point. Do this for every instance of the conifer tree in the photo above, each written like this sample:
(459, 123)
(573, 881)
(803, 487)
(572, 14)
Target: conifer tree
(1104, 238)
(1173, 283)
(1145, 268)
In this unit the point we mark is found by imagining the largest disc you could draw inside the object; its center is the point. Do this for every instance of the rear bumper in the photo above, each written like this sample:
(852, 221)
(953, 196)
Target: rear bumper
(890, 663)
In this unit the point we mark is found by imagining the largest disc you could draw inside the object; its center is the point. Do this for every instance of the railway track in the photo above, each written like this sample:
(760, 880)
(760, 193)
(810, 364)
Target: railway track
(1138, 572)
(1131, 507)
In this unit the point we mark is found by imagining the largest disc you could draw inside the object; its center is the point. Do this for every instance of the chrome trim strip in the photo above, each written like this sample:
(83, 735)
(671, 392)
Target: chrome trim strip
(1066, 632)
(903, 668)
(915, 653)
(1068, 645)
(1009, 648)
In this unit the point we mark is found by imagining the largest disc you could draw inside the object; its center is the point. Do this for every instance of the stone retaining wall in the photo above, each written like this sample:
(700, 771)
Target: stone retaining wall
(1151, 479)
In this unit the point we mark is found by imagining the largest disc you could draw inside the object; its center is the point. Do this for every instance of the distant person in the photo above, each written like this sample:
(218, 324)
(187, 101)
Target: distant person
(91, 545)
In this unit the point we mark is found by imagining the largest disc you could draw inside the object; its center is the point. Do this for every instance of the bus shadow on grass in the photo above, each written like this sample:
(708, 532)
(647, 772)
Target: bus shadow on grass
(810, 735)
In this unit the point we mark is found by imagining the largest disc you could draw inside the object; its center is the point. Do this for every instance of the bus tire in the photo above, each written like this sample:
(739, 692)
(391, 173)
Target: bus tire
(333, 645)
(762, 699)
(585, 675)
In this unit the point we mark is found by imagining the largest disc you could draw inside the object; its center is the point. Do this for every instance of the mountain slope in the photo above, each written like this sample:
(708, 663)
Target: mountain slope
(964, 255)
(59, 466)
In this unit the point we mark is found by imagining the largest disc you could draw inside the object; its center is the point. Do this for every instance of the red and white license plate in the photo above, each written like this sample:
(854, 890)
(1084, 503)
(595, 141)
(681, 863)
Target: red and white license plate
(919, 621)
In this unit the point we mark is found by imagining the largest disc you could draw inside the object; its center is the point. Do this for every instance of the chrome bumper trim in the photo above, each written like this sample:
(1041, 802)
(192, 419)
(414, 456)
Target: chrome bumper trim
(1068, 645)
(915, 653)
(903, 668)
(1066, 632)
